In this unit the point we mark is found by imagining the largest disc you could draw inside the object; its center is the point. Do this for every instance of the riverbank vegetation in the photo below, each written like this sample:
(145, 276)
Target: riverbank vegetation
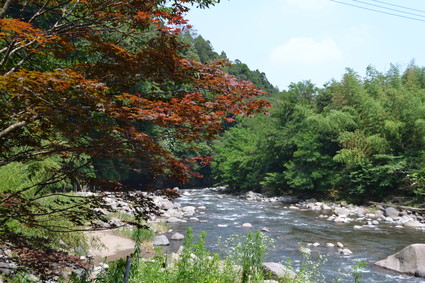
(360, 138)
(242, 261)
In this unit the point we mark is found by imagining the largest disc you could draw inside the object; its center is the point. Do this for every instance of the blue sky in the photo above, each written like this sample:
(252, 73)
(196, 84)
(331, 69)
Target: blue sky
(295, 40)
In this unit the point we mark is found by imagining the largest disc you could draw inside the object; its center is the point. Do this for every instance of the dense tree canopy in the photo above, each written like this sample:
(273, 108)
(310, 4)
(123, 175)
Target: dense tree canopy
(93, 90)
(359, 138)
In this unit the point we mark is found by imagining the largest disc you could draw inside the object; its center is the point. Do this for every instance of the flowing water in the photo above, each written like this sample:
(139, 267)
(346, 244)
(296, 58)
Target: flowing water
(294, 229)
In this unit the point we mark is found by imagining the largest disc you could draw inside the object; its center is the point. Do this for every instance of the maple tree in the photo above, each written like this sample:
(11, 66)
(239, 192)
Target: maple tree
(70, 80)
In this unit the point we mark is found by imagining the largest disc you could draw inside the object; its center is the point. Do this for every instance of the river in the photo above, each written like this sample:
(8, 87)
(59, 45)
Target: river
(291, 229)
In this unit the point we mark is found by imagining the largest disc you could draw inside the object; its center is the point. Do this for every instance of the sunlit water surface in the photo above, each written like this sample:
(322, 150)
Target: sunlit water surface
(294, 229)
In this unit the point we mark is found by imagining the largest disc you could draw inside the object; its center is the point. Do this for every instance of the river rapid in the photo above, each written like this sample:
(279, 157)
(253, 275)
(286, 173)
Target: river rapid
(293, 229)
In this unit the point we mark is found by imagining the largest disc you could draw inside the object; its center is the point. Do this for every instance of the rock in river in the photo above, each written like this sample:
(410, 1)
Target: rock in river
(391, 212)
(160, 241)
(177, 237)
(410, 260)
(278, 270)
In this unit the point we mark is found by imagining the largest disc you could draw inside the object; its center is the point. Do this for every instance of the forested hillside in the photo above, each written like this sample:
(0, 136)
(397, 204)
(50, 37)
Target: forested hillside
(360, 138)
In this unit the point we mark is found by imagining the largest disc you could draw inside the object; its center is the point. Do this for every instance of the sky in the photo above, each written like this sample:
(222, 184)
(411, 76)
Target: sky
(296, 40)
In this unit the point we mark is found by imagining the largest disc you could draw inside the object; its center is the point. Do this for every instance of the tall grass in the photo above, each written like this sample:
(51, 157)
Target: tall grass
(197, 264)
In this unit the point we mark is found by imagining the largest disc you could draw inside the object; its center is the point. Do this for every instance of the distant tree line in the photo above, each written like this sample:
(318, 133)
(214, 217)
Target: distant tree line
(360, 138)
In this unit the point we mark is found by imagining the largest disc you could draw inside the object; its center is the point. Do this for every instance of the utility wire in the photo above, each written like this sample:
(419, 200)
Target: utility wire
(399, 6)
(391, 9)
(379, 11)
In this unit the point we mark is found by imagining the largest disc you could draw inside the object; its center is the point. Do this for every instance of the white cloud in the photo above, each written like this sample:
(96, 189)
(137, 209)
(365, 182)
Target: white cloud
(306, 50)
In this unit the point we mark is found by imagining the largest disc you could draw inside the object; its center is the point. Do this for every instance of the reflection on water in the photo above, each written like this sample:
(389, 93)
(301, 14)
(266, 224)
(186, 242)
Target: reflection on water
(292, 229)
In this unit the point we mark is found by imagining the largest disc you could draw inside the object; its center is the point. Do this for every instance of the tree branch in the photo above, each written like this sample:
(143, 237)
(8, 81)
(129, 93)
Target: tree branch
(5, 8)
(12, 127)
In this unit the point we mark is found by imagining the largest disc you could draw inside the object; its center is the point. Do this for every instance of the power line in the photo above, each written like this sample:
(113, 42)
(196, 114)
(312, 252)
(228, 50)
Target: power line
(378, 11)
(391, 9)
(399, 6)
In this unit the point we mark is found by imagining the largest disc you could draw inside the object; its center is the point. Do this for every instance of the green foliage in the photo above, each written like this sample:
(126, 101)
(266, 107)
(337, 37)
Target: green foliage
(25, 177)
(197, 264)
(357, 270)
(353, 138)
(310, 269)
(248, 252)
(417, 184)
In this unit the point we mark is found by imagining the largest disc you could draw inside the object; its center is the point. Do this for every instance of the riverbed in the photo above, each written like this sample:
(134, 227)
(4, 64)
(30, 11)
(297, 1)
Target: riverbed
(293, 229)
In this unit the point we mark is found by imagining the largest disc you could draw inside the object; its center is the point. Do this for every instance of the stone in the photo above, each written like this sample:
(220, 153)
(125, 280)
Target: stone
(420, 273)
(104, 265)
(222, 225)
(414, 224)
(341, 211)
(278, 271)
(316, 244)
(189, 210)
(341, 220)
(410, 260)
(202, 207)
(177, 237)
(389, 219)
(161, 202)
(375, 222)
(326, 207)
(391, 212)
(294, 207)
(172, 220)
(265, 229)
(177, 205)
(194, 219)
(161, 240)
(330, 245)
(345, 251)
(251, 195)
(405, 218)
(247, 225)
(5, 268)
(339, 245)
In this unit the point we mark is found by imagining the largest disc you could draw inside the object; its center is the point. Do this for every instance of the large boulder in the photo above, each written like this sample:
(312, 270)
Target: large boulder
(410, 260)
(414, 224)
(391, 212)
(278, 271)
(161, 240)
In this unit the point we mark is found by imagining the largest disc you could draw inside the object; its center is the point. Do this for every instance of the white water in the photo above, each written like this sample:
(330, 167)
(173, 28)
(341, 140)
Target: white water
(292, 229)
